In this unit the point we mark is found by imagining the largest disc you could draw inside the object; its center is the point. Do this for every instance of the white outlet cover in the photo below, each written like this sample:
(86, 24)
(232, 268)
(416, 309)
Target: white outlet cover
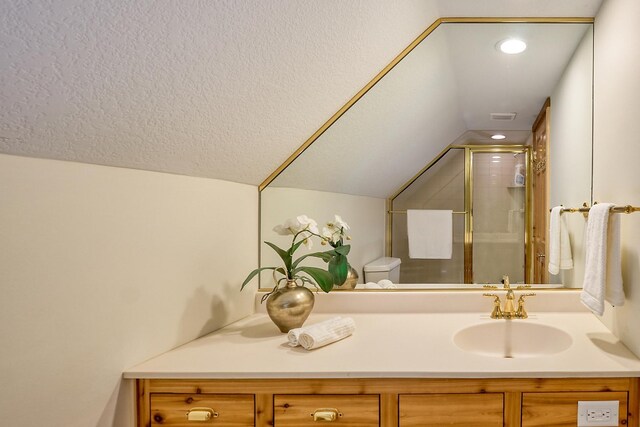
(598, 413)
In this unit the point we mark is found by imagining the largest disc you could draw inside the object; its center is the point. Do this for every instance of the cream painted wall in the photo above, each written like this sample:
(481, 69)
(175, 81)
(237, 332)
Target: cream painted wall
(571, 147)
(365, 216)
(102, 268)
(616, 149)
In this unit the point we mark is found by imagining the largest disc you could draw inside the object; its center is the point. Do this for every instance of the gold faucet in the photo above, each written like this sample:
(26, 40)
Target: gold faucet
(509, 311)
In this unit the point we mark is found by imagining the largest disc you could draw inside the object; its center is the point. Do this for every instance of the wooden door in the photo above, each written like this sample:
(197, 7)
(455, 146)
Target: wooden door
(540, 193)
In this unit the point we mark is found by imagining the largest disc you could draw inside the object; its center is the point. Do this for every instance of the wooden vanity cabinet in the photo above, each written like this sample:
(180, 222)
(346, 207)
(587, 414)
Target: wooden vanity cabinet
(561, 409)
(353, 410)
(450, 409)
(175, 409)
(384, 402)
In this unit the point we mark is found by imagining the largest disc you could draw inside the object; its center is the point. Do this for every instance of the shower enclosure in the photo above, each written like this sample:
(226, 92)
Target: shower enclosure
(488, 190)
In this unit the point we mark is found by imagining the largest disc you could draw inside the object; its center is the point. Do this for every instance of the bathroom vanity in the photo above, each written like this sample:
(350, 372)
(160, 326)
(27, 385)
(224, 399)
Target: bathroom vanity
(415, 367)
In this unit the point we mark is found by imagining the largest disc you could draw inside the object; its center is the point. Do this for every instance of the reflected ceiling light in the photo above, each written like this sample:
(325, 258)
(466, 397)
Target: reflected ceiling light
(511, 46)
(498, 136)
(495, 157)
(495, 161)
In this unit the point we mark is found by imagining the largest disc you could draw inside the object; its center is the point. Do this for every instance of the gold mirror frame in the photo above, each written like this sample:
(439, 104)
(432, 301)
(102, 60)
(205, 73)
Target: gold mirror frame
(376, 79)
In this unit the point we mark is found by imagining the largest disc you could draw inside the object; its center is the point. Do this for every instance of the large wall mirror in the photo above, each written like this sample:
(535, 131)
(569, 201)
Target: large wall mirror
(419, 139)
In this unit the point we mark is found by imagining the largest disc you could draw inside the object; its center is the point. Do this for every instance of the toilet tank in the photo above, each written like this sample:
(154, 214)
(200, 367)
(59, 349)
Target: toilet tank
(382, 268)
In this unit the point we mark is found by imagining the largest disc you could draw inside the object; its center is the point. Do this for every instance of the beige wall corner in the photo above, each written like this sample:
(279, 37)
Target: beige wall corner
(616, 149)
(102, 268)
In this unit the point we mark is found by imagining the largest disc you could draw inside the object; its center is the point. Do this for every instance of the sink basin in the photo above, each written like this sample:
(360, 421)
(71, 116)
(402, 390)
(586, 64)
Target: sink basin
(512, 339)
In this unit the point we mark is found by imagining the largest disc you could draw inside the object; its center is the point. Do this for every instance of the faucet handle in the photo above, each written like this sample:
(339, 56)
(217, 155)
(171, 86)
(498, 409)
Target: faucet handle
(521, 313)
(497, 311)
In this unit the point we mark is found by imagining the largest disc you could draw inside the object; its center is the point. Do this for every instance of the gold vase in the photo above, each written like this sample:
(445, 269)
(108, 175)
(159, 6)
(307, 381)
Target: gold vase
(289, 307)
(351, 281)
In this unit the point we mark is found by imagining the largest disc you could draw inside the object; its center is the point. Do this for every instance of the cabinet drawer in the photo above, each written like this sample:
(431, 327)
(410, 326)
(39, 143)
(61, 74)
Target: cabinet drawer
(229, 410)
(561, 409)
(476, 410)
(351, 410)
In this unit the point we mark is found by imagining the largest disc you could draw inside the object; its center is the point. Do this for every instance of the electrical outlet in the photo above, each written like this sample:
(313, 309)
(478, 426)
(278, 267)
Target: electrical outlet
(598, 413)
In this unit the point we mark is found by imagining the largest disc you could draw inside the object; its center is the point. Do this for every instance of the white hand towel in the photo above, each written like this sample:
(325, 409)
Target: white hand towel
(559, 245)
(603, 271)
(372, 285)
(386, 284)
(430, 234)
(294, 334)
(319, 335)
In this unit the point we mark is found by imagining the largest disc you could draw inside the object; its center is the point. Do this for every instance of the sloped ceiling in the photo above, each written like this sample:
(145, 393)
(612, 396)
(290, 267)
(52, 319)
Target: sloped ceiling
(223, 89)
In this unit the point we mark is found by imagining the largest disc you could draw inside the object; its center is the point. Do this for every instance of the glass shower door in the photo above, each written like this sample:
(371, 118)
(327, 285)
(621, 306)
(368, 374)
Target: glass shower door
(439, 187)
(498, 197)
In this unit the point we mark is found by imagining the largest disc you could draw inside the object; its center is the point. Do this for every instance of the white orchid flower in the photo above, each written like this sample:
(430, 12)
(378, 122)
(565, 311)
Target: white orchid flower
(340, 224)
(308, 243)
(290, 226)
(307, 223)
(331, 234)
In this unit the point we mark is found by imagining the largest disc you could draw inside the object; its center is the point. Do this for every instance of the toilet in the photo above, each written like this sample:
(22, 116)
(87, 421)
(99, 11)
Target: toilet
(382, 268)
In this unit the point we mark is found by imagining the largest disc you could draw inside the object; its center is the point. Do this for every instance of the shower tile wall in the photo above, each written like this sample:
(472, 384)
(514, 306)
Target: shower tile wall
(498, 218)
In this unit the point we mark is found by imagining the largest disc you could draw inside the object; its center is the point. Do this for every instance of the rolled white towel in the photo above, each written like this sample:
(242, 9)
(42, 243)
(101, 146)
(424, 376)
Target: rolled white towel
(294, 334)
(386, 284)
(319, 335)
(372, 285)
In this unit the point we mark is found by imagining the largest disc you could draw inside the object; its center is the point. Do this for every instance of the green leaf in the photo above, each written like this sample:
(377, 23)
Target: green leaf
(325, 256)
(295, 248)
(285, 255)
(338, 267)
(258, 270)
(323, 278)
(343, 250)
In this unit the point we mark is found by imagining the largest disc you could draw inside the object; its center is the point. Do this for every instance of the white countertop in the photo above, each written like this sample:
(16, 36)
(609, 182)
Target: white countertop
(395, 344)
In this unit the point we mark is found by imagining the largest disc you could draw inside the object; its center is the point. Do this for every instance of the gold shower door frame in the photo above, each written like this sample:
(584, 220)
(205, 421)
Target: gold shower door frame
(469, 151)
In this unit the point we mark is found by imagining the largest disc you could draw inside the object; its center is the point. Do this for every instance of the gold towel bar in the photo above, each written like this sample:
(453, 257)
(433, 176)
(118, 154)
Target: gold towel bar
(404, 212)
(616, 209)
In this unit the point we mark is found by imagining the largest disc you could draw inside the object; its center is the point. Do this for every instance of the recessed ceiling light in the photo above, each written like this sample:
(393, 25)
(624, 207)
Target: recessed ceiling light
(512, 46)
(498, 136)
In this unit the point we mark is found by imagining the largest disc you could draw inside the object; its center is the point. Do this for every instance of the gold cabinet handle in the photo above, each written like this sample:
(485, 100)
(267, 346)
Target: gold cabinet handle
(201, 414)
(326, 414)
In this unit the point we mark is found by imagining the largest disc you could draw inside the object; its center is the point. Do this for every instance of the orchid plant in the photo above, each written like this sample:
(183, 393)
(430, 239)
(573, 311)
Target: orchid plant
(303, 229)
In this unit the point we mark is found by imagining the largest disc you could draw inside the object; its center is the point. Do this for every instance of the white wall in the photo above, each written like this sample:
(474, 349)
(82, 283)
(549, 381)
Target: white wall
(570, 151)
(365, 216)
(102, 268)
(616, 148)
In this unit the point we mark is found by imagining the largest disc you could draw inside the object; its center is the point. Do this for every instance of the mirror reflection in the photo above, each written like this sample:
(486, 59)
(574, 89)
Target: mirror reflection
(419, 143)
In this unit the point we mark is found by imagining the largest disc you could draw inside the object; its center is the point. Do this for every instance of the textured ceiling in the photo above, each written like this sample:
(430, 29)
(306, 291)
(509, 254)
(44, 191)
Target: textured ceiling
(223, 89)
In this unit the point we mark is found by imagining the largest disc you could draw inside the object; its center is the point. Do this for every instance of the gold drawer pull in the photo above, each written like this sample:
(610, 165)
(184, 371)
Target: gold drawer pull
(326, 414)
(201, 414)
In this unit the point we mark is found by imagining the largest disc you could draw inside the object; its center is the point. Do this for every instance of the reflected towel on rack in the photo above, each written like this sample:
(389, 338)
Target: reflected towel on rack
(603, 272)
(430, 234)
(559, 245)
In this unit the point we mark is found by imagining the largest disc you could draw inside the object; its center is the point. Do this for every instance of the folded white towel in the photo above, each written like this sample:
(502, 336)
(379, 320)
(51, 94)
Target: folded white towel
(603, 271)
(430, 234)
(372, 285)
(319, 335)
(559, 245)
(386, 284)
(294, 334)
